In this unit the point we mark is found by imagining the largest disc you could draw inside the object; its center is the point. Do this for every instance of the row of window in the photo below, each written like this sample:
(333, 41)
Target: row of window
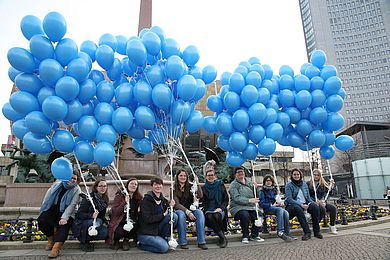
(340, 30)
(371, 70)
(369, 57)
(354, 7)
(362, 72)
(357, 26)
(370, 85)
(367, 49)
(354, 13)
(366, 110)
(364, 35)
(367, 118)
(365, 42)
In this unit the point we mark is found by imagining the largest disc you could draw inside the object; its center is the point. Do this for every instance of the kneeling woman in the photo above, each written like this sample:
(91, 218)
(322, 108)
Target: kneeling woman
(271, 207)
(118, 219)
(183, 200)
(86, 214)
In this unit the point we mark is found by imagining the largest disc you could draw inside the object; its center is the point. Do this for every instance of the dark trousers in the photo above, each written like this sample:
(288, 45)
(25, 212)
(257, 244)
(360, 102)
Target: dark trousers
(314, 210)
(332, 213)
(214, 221)
(121, 233)
(246, 217)
(48, 221)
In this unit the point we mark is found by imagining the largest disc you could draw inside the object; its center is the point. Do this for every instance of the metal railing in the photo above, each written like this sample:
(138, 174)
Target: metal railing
(367, 151)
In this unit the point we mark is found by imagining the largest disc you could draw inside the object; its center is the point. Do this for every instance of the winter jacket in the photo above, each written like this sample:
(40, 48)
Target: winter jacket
(321, 191)
(267, 197)
(292, 192)
(240, 194)
(183, 202)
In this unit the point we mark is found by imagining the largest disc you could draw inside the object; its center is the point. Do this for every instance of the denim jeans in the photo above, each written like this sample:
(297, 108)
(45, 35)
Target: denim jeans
(101, 229)
(158, 244)
(246, 217)
(282, 218)
(182, 227)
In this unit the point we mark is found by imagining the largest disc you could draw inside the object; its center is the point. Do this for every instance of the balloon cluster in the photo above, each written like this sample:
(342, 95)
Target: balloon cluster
(255, 109)
(62, 103)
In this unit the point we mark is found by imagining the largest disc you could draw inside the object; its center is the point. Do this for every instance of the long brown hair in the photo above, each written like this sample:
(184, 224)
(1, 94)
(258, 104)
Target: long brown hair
(137, 195)
(322, 181)
(94, 189)
(296, 170)
(187, 185)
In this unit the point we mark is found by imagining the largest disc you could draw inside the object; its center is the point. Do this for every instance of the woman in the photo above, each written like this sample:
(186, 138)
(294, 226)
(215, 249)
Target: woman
(268, 202)
(242, 205)
(215, 201)
(183, 200)
(86, 214)
(298, 201)
(119, 215)
(321, 188)
(58, 211)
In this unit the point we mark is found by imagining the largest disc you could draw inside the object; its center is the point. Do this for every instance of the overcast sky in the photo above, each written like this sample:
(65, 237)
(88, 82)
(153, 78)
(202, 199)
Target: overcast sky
(226, 32)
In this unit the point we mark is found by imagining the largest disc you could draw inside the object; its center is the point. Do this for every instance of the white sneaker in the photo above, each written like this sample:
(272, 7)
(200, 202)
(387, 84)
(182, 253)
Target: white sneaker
(245, 240)
(333, 230)
(257, 239)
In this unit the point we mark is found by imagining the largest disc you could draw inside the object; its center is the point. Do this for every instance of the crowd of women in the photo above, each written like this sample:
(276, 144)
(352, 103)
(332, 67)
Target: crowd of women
(151, 217)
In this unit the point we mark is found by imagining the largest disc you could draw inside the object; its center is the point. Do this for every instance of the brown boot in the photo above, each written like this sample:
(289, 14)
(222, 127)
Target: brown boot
(50, 243)
(125, 245)
(55, 250)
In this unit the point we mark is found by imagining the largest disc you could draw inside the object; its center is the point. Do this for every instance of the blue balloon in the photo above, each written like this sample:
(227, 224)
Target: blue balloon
(143, 145)
(317, 138)
(145, 118)
(238, 141)
(19, 128)
(301, 82)
(295, 140)
(23, 102)
(318, 58)
(55, 108)
(196, 72)
(41, 47)
(304, 127)
(37, 123)
(67, 88)
(103, 113)
(234, 159)
(318, 115)
(84, 152)
(222, 92)
(332, 85)
(318, 98)
(257, 113)
(253, 78)
(268, 72)
(312, 71)
(223, 143)
(286, 82)
(224, 124)
(169, 48)
(344, 142)
(108, 39)
(249, 95)
(316, 83)
(210, 124)
(78, 69)
(327, 152)
(96, 76)
(155, 75)
(162, 96)
(28, 82)
(104, 154)
(194, 122)
(330, 137)
(104, 56)
(84, 56)
(87, 127)
(106, 133)
(232, 101)
(272, 116)
(44, 93)
(286, 98)
(240, 120)
(283, 119)
(236, 83)
(115, 71)
(88, 108)
(303, 99)
(136, 132)
(50, 71)
(152, 43)
(136, 51)
(264, 96)
(334, 103)
(89, 47)
(215, 103)
(21, 59)
(105, 91)
(30, 26)
(66, 50)
(294, 114)
(186, 87)
(37, 143)
(267, 147)
(256, 133)
(305, 114)
(63, 141)
(180, 111)
(191, 55)
(87, 91)
(62, 169)
(254, 60)
(259, 69)
(209, 74)
(342, 93)
(174, 67)
(328, 71)
(12, 73)
(274, 131)
(142, 92)
(122, 120)
(334, 122)
(121, 44)
(75, 112)
(225, 78)
(250, 152)
(159, 31)
(54, 25)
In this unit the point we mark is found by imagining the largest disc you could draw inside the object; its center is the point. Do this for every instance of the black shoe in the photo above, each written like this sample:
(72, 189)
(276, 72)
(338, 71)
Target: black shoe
(87, 247)
(203, 246)
(306, 236)
(222, 243)
(125, 245)
(116, 245)
(319, 235)
(184, 246)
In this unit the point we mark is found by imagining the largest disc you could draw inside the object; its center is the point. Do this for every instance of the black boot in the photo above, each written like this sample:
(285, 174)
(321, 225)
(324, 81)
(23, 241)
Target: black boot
(222, 243)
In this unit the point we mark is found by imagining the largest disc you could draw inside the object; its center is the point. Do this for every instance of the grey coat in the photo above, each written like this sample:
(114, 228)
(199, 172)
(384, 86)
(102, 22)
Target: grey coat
(240, 194)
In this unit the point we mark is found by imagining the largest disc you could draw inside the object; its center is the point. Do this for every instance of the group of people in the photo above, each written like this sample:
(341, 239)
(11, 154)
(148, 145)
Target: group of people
(153, 216)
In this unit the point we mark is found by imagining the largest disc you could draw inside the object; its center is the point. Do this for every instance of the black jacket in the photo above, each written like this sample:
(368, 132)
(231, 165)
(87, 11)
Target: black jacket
(321, 191)
(149, 218)
(224, 203)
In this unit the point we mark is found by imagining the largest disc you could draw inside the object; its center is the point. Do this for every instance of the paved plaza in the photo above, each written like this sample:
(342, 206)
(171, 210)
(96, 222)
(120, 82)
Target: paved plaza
(355, 241)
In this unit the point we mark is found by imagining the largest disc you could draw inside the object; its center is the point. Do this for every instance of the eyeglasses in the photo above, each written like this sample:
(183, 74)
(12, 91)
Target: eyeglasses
(210, 175)
(102, 186)
(296, 174)
(239, 171)
(268, 180)
(74, 179)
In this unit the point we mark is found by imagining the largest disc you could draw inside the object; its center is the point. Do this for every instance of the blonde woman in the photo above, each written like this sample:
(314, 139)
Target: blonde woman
(322, 188)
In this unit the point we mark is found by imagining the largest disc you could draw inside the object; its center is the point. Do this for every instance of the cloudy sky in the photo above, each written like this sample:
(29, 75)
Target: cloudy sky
(226, 32)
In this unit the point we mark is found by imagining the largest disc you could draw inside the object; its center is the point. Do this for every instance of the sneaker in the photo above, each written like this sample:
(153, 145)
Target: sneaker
(318, 235)
(203, 246)
(184, 246)
(245, 240)
(289, 235)
(285, 238)
(306, 236)
(257, 239)
(333, 230)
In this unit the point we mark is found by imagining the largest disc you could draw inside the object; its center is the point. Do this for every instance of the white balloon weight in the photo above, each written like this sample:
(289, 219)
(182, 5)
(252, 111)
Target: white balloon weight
(258, 222)
(128, 226)
(172, 243)
(92, 231)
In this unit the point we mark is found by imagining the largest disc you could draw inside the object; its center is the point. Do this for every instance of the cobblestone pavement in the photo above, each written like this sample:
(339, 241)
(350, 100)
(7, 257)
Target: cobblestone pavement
(371, 242)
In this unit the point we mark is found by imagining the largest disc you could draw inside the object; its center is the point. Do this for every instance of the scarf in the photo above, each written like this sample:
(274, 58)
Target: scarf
(214, 191)
(100, 203)
(53, 194)
(298, 183)
(265, 187)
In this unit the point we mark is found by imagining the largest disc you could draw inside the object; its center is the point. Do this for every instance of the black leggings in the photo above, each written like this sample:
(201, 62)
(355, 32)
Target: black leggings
(48, 220)
(332, 213)
(214, 221)
(121, 233)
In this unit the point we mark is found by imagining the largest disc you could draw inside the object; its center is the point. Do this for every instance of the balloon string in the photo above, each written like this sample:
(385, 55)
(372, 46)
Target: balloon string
(311, 171)
(274, 173)
(331, 181)
(254, 189)
(85, 185)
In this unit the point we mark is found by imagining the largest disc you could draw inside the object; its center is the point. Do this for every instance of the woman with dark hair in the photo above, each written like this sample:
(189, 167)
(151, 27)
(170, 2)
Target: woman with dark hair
(92, 216)
(321, 189)
(298, 201)
(58, 211)
(183, 201)
(116, 230)
(268, 202)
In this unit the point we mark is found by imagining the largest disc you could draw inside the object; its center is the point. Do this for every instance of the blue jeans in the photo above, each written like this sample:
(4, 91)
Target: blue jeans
(101, 229)
(182, 227)
(158, 244)
(282, 218)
